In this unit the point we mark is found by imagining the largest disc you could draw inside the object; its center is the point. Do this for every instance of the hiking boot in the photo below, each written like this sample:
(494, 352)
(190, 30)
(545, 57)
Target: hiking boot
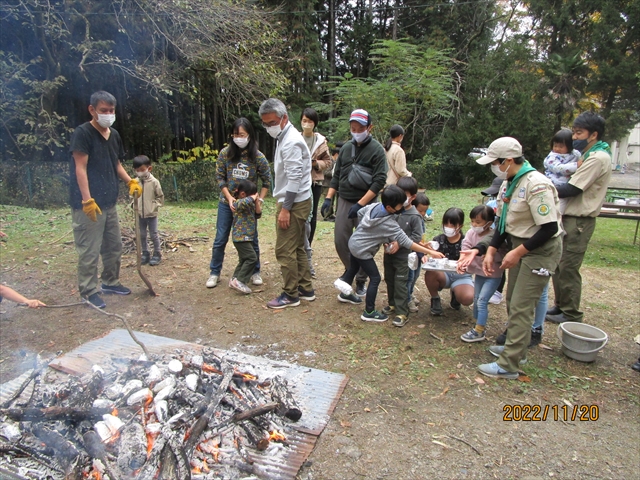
(308, 295)
(144, 258)
(388, 310)
(413, 306)
(472, 336)
(117, 289)
(96, 300)
(374, 316)
(239, 286)
(361, 289)
(155, 259)
(283, 301)
(400, 320)
(536, 337)
(500, 339)
(455, 304)
(560, 318)
(495, 371)
(436, 306)
(256, 279)
(212, 281)
(349, 299)
(496, 298)
(554, 310)
(496, 351)
(343, 286)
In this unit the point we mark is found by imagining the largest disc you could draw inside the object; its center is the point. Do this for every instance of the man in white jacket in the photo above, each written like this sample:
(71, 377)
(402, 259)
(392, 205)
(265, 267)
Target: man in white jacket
(292, 191)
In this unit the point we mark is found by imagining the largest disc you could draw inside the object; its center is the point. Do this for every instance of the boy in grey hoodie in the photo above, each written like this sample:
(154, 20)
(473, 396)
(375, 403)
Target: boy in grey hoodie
(396, 266)
(378, 225)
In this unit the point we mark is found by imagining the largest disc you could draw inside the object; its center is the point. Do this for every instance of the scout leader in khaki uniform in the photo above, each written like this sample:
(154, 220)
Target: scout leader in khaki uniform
(585, 192)
(528, 207)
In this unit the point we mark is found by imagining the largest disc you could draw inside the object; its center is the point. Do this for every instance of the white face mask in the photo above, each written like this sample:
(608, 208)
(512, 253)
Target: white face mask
(307, 126)
(449, 232)
(499, 173)
(274, 131)
(106, 120)
(144, 174)
(406, 203)
(241, 142)
(360, 137)
(480, 229)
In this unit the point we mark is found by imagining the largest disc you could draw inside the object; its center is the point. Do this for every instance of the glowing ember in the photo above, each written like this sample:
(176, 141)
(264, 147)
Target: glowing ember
(277, 436)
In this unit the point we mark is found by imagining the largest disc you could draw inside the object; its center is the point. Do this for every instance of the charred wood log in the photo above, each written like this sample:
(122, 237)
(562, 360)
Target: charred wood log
(174, 462)
(255, 412)
(95, 448)
(203, 421)
(67, 454)
(288, 407)
(255, 436)
(73, 414)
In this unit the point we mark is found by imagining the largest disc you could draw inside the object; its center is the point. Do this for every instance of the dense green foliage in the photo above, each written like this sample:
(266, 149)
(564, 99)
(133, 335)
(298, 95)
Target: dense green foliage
(455, 74)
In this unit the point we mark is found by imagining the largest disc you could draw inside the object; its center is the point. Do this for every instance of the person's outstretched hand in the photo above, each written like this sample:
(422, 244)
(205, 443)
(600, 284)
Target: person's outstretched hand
(35, 304)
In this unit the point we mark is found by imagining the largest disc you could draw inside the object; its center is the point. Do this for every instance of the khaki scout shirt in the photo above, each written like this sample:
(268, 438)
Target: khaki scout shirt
(534, 203)
(592, 177)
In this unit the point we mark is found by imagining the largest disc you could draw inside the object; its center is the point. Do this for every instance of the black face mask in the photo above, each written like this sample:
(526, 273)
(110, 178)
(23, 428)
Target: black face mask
(580, 144)
(399, 211)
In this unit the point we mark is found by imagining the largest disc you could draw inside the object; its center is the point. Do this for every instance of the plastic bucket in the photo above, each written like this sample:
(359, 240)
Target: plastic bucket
(580, 341)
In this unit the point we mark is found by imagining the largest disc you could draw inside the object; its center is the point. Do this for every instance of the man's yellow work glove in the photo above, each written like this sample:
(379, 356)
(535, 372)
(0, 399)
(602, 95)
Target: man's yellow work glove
(135, 189)
(91, 209)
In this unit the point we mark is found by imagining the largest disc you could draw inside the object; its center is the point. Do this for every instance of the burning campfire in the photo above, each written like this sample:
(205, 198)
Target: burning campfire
(174, 416)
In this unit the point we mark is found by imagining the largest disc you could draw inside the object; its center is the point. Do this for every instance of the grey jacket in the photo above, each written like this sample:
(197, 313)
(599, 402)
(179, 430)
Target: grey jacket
(373, 232)
(412, 224)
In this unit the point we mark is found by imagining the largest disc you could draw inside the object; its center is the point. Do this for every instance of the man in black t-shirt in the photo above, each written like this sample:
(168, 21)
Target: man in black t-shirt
(96, 151)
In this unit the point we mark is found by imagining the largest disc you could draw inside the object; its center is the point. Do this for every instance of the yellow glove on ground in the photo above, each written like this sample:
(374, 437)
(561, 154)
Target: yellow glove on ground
(91, 209)
(134, 187)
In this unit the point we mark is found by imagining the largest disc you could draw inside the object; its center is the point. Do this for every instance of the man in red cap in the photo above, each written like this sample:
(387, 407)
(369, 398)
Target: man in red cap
(359, 174)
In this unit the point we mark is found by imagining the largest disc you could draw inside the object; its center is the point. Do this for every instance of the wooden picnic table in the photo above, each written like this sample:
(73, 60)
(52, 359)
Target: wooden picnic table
(622, 212)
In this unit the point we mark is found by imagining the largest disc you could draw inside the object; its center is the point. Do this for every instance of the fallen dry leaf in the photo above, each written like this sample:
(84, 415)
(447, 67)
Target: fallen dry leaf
(544, 347)
(524, 378)
(479, 381)
(453, 376)
(422, 325)
(441, 394)
(305, 311)
(367, 409)
(345, 424)
(229, 331)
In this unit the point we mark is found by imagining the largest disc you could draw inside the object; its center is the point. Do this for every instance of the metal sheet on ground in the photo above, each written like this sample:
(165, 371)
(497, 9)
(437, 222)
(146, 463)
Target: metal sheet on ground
(316, 391)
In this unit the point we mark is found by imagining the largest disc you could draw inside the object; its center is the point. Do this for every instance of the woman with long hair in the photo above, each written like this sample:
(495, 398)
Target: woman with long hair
(321, 161)
(240, 160)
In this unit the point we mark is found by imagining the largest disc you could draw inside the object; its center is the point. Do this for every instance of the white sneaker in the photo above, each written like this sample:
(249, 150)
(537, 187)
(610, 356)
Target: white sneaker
(413, 308)
(212, 281)
(256, 279)
(496, 298)
(343, 286)
(238, 285)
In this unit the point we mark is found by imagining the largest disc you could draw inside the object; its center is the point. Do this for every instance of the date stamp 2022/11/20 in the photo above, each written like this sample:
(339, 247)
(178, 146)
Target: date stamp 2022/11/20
(542, 413)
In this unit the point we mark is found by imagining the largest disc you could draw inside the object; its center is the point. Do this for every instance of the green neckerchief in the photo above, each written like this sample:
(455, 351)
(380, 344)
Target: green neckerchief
(597, 147)
(511, 186)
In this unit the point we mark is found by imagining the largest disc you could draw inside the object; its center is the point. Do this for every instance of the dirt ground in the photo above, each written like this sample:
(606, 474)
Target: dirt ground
(415, 406)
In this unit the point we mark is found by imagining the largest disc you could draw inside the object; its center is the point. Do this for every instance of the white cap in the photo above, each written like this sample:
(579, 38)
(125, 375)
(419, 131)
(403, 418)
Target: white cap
(503, 147)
